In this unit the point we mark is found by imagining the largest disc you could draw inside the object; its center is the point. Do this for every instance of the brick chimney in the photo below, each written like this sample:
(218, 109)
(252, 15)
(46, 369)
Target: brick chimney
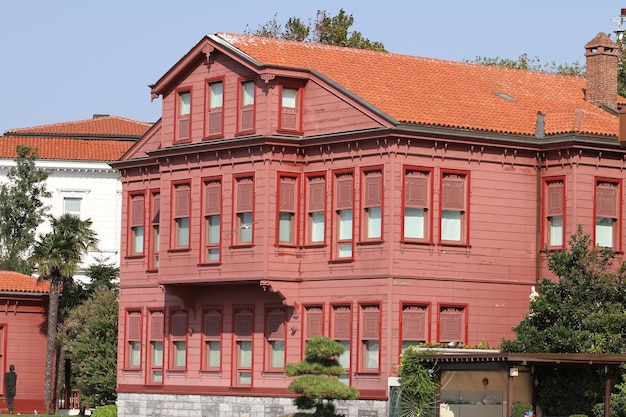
(601, 68)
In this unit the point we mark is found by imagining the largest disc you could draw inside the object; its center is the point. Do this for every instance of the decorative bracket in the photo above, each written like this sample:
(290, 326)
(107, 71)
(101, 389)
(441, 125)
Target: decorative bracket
(206, 50)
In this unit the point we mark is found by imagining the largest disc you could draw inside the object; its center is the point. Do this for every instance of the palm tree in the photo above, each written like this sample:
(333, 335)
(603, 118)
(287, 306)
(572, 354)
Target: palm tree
(57, 255)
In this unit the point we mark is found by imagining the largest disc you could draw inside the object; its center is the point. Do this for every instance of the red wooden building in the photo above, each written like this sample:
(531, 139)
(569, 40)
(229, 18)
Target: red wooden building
(293, 189)
(23, 330)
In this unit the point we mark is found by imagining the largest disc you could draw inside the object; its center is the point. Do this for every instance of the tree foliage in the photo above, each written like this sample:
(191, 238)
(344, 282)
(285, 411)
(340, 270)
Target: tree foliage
(21, 210)
(326, 29)
(580, 312)
(418, 388)
(89, 337)
(316, 381)
(524, 62)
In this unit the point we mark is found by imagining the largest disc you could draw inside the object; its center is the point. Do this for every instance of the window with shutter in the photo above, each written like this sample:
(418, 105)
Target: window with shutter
(453, 226)
(316, 209)
(178, 333)
(212, 219)
(247, 106)
(607, 216)
(133, 339)
(344, 233)
(414, 325)
(341, 331)
(314, 321)
(137, 207)
(243, 363)
(287, 209)
(244, 210)
(155, 237)
(452, 324)
(184, 116)
(554, 211)
(212, 336)
(372, 204)
(155, 357)
(275, 337)
(215, 116)
(182, 203)
(370, 337)
(290, 109)
(417, 210)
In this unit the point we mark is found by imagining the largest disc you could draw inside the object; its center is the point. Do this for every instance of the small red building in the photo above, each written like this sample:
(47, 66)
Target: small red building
(23, 330)
(293, 189)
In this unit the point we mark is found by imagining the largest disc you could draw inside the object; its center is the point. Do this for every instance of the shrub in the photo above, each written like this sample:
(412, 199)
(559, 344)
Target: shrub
(519, 409)
(105, 411)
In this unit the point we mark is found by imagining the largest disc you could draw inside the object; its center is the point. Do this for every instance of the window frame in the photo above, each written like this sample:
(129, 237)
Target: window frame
(617, 211)
(209, 336)
(313, 206)
(425, 307)
(238, 336)
(210, 210)
(154, 236)
(546, 209)
(343, 335)
(133, 334)
(463, 317)
(410, 200)
(213, 115)
(342, 206)
(369, 200)
(67, 198)
(365, 329)
(243, 110)
(136, 220)
(293, 112)
(178, 325)
(273, 315)
(464, 209)
(240, 206)
(178, 213)
(156, 334)
(288, 204)
(182, 125)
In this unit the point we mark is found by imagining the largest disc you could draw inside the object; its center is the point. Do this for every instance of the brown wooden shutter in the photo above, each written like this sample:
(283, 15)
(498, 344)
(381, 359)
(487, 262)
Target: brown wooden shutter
(215, 121)
(245, 190)
(134, 325)
(289, 118)
(182, 194)
(276, 324)
(314, 322)
(451, 322)
(317, 193)
(606, 200)
(156, 209)
(212, 197)
(373, 189)
(371, 322)
(183, 127)
(137, 211)
(179, 324)
(416, 189)
(554, 200)
(212, 323)
(247, 118)
(243, 323)
(344, 191)
(341, 323)
(414, 323)
(156, 325)
(453, 192)
(287, 195)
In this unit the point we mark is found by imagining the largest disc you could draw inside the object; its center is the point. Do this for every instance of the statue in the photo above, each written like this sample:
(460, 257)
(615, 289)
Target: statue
(10, 381)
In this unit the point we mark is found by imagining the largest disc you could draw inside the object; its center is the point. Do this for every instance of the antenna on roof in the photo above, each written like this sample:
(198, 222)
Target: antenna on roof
(620, 21)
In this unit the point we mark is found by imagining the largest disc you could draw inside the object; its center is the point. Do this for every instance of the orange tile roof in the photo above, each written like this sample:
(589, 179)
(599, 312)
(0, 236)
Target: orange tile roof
(15, 282)
(441, 93)
(104, 138)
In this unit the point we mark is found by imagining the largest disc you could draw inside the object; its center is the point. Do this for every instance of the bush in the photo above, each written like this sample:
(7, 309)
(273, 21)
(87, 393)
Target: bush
(579, 415)
(519, 409)
(105, 411)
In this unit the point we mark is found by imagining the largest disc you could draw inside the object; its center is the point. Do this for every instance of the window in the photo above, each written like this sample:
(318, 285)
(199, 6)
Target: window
(287, 208)
(244, 210)
(136, 222)
(608, 208)
(313, 321)
(372, 193)
(133, 339)
(554, 211)
(316, 209)
(243, 346)
(212, 338)
(414, 321)
(370, 337)
(344, 197)
(71, 205)
(212, 219)
(155, 235)
(246, 99)
(454, 206)
(215, 116)
(182, 202)
(183, 126)
(341, 332)
(155, 357)
(452, 324)
(290, 104)
(179, 339)
(417, 203)
(276, 336)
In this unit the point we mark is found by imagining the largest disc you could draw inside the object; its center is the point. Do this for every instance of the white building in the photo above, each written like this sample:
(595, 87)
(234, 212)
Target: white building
(81, 181)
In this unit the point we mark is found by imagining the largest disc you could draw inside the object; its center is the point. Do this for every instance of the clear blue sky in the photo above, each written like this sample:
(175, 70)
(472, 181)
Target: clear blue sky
(65, 60)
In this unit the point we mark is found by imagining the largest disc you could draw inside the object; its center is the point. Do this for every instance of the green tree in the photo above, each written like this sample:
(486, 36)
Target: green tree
(89, 337)
(21, 210)
(418, 388)
(57, 255)
(580, 312)
(524, 62)
(316, 381)
(327, 29)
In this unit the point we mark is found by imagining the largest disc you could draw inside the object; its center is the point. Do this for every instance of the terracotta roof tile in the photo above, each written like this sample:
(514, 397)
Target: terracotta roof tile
(443, 93)
(15, 282)
(98, 126)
